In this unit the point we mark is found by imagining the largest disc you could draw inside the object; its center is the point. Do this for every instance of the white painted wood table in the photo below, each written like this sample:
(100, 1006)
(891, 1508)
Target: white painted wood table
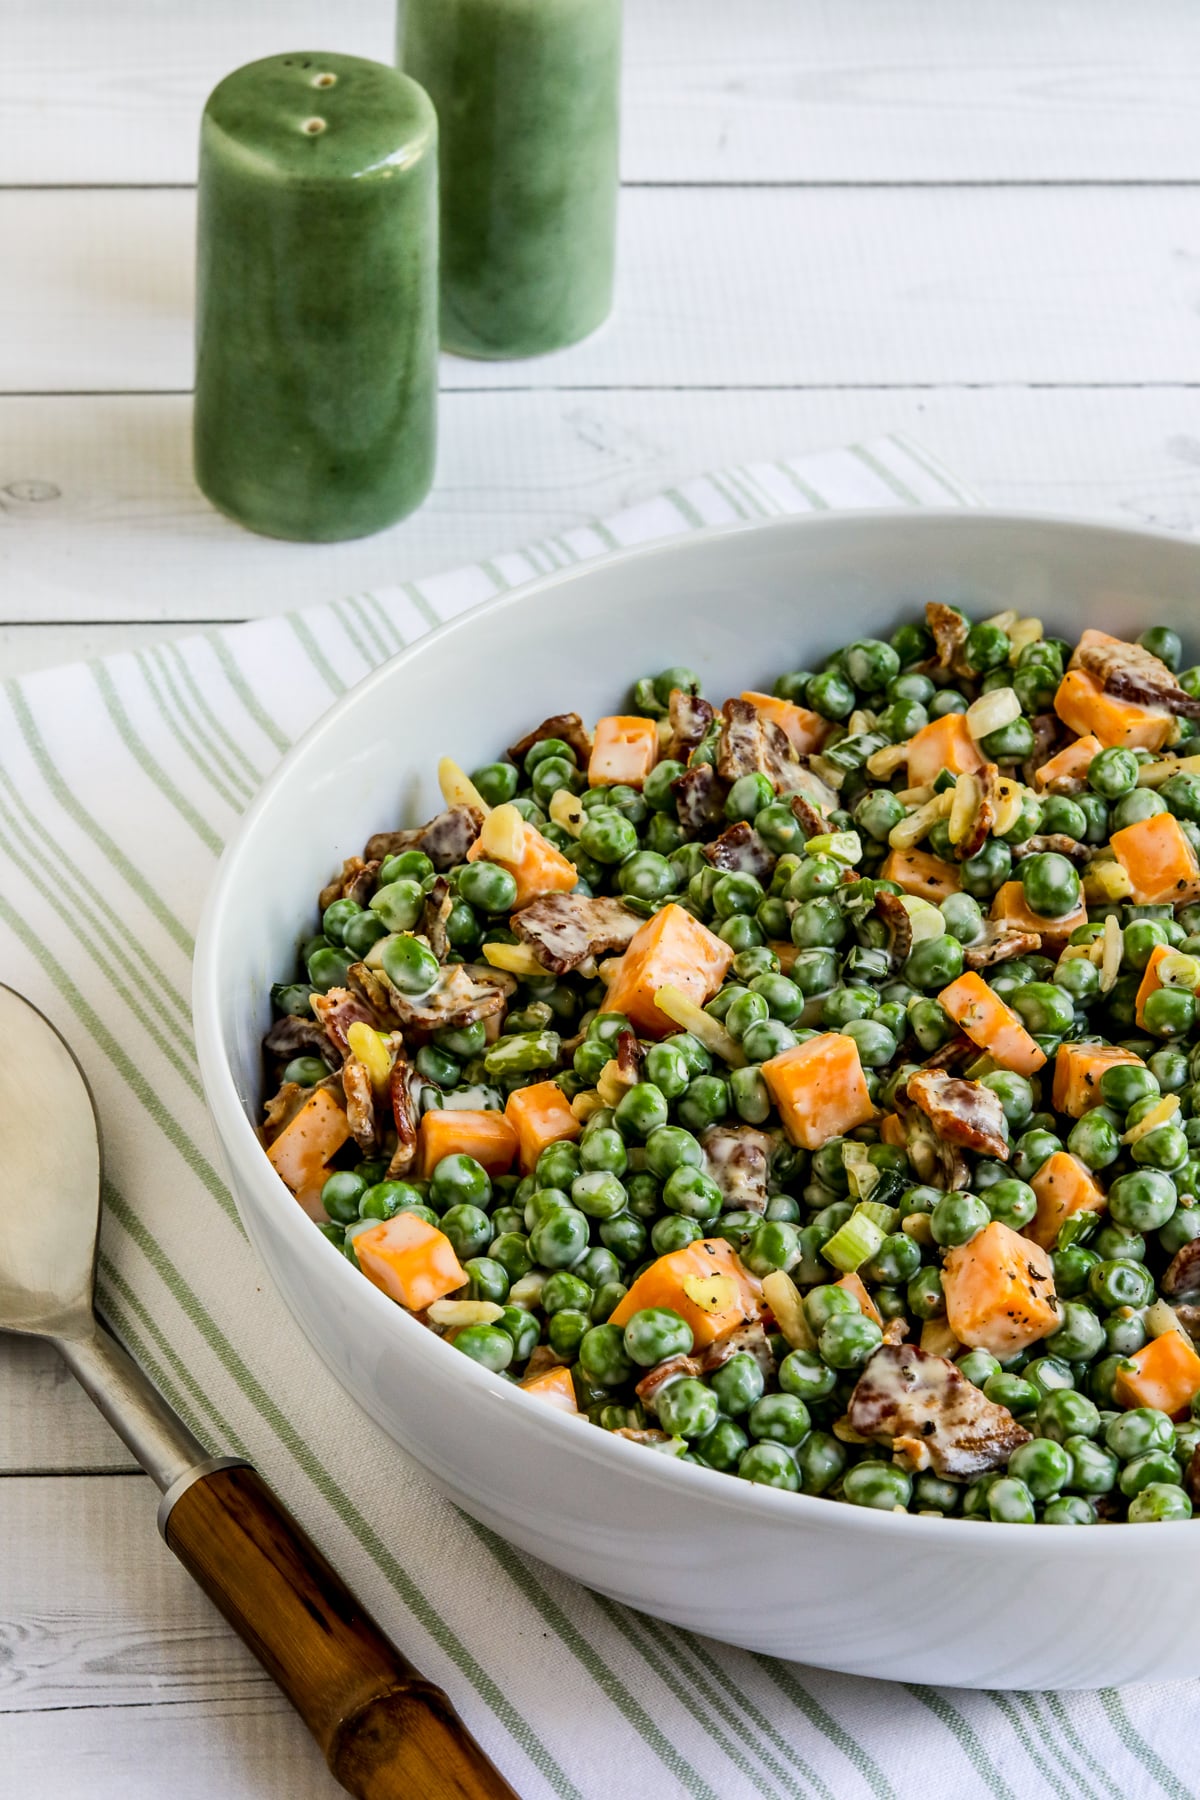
(975, 223)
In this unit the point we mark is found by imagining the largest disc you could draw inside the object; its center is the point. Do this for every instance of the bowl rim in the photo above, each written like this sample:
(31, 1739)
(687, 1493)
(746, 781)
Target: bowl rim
(747, 1500)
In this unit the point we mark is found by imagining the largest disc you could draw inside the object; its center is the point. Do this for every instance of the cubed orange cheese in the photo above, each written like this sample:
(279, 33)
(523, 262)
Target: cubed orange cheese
(1149, 983)
(540, 1115)
(1167, 1376)
(623, 750)
(918, 872)
(819, 1088)
(891, 1131)
(409, 1259)
(1158, 859)
(1082, 704)
(303, 1148)
(988, 1022)
(672, 949)
(944, 743)
(805, 731)
(554, 1386)
(999, 1291)
(1009, 904)
(1077, 1072)
(540, 868)
(854, 1284)
(447, 1131)
(666, 1281)
(1063, 1187)
(1066, 772)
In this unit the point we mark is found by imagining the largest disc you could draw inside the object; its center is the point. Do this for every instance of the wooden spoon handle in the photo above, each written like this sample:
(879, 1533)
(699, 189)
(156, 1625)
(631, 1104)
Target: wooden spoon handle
(386, 1733)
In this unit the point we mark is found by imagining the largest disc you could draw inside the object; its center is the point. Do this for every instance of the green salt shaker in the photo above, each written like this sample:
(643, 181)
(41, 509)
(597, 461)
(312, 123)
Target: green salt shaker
(527, 94)
(316, 306)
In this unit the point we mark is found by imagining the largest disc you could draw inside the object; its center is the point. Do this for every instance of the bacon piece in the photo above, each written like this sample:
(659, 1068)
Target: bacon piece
(1128, 672)
(949, 630)
(360, 1105)
(565, 929)
(1191, 1479)
(999, 943)
(959, 1049)
(740, 847)
(749, 1339)
(1182, 1274)
(445, 839)
(281, 1109)
(750, 744)
(739, 1161)
(961, 1112)
(628, 1058)
(338, 1010)
(699, 799)
(688, 719)
(1189, 1317)
(1057, 841)
(292, 1036)
(463, 993)
(439, 904)
(636, 1437)
(906, 1393)
(1047, 729)
(895, 915)
(355, 881)
(651, 1385)
(567, 726)
(404, 1112)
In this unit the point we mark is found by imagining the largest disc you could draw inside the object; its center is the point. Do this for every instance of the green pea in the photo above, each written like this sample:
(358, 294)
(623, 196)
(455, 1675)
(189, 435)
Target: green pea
(327, 967)
(654, 1333)
(935, 962)
(724, 1446)
(775, 1244)
(816, 875)
(735, 893)
(1080, 979)
(1093, 1468)
(625, 1236)
(1080, 1335)
(460, 1180)
(705, 1103)
(468, 1228)
(925, 1296)
(964, 920)
(1143, 1201)
(1050, 885)
(930, 1025)
(524, 1330)
(1035, 686)
(607, 835)
(692, 1194)
(1010, 1502)
(511, 1250)
(768, 1038)
(488, 886)
(1067, 1416)
(687, 1408)
(895, 1262)
(1010, 1391)
(341, 1196)
(666, 1068)
(1031, 1150)
(957, 1218)
(559, 1238)
(598, 1194)
(746, 1009)
(1164, 1148)
(878, 813)
(978, 1366)
(647, 876)
(747, 797)
(848, 1340)
(831, 695)
(770, 1465)
(1013, 1202)
(656, 789)
(306, 1071)
(487, 1279)
(738, 1384)
(878, 1484)
(497, 782)
(1168, 1012)
(1073, 1270)
(1159, 1503)
(522, 1053)
(409, 964)
(779, 1419)
(603, 1357)
(1115, 1243)
(749, 1094)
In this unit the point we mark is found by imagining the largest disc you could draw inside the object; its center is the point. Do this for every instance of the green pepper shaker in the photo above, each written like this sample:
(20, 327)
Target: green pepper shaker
(316, 308)
(527, 96)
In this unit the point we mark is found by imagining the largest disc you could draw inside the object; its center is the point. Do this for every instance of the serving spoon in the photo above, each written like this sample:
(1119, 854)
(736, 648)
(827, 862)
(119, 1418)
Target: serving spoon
(386, 1732)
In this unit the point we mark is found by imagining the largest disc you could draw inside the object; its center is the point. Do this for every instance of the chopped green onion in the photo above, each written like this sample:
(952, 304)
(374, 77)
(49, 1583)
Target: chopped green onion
(843, 846)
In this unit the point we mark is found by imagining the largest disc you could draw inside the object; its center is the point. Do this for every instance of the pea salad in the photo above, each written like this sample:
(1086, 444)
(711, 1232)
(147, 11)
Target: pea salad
(808, 1086)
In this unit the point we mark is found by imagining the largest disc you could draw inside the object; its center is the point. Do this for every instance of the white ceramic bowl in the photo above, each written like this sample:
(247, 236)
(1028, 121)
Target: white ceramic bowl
(918, 1599)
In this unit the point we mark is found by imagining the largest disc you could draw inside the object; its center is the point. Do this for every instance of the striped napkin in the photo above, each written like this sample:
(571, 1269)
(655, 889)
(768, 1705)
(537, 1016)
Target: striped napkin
(120, 781)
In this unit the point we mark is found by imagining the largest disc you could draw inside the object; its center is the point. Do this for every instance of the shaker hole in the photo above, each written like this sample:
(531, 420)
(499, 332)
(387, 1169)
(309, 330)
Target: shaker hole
(313, 126)
(324, 81)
